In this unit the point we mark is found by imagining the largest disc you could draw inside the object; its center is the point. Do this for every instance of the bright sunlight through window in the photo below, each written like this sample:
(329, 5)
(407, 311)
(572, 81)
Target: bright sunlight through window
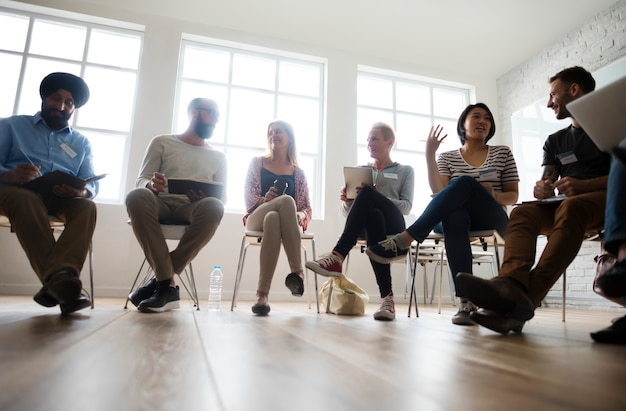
(102, 55)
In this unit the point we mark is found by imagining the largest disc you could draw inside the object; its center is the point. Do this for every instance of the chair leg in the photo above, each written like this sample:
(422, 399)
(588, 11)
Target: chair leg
(413, 293)
(189, 283)
(242, 258)
(317, 295)
(564, 292)
(91, 274)
(132, 287)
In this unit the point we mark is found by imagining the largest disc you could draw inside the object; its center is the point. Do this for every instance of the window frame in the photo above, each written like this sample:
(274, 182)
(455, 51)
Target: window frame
(89, 23)
(315, 181)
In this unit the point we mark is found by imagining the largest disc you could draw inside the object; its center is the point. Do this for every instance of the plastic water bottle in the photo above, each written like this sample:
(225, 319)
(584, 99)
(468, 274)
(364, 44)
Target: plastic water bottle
(215, 289)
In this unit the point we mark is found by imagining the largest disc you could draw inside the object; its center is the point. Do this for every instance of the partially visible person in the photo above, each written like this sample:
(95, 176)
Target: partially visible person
(31, 146)
(375, 212)
(277, 203)
(613, 282)
(186, 156)
(573, 167)
(473, 184)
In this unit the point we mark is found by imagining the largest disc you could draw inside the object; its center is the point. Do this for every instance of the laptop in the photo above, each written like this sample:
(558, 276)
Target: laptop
(602, 114)
(355, 177)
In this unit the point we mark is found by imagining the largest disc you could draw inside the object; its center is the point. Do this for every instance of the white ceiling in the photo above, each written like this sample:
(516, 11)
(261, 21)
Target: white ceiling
(484, 37)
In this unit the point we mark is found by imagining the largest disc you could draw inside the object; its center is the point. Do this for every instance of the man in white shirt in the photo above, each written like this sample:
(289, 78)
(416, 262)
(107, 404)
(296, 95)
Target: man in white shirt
(186, 156)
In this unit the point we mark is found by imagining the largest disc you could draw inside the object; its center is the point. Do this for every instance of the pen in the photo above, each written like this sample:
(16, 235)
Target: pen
(29, 160)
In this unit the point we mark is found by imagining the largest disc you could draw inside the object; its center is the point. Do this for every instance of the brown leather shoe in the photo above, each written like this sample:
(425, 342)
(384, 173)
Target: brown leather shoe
(496, 321)
(498, 294)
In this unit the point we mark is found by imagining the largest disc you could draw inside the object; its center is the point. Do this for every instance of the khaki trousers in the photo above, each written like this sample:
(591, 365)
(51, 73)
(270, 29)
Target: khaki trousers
(28, 213)
(146, 211)
(564, 224)
(279, 223)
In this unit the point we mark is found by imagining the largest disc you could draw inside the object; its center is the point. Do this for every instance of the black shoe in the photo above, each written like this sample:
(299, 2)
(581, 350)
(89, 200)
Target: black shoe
(498, 294)
(261, 309)
(64, 286)
(80, 303)
(386, 251)
(141, 293)
(164, 298)
(295, 284)
(613, 334)
(613, 282)
(496, 321)
(44, 298)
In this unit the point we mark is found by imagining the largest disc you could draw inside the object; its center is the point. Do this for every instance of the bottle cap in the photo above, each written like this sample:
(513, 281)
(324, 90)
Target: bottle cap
(217, 266)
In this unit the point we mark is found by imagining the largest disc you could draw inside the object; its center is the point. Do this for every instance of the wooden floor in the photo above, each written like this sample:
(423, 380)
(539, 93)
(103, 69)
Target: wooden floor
(294, 359)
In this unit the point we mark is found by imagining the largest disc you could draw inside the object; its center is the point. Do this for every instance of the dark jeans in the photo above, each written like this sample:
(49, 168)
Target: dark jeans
(615, 221)
(375, 214)
(462, 206)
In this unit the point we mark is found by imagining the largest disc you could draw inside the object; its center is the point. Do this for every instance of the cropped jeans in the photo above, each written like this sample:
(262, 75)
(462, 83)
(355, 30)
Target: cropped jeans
(464, 205)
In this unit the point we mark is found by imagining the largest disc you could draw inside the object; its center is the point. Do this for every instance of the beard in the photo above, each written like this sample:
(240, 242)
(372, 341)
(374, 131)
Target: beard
(54, 118)
(202, 129)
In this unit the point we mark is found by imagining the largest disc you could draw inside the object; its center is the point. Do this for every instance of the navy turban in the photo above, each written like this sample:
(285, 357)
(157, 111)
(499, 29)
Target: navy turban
(75, 85)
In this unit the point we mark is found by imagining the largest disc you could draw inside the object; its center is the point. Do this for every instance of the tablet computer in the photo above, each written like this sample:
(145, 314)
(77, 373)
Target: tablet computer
(355, 177)
(180, 186)
(602, 114)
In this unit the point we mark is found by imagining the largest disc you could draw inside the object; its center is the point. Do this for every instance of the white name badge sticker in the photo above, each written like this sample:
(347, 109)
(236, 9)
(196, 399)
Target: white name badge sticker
(490, 174)
(68, 150)
(567, 158)
(393, 176)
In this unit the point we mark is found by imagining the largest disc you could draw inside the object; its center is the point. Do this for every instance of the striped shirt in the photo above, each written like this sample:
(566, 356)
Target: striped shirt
(499, 167)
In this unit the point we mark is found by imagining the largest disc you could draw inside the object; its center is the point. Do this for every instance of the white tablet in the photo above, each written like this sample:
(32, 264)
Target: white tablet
(355, 177)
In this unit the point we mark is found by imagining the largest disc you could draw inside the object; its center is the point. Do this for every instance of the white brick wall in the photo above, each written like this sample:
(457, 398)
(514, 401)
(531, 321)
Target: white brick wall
(596, 43)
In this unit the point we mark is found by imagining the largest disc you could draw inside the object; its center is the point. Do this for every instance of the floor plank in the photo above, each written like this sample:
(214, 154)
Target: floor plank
(115, 359)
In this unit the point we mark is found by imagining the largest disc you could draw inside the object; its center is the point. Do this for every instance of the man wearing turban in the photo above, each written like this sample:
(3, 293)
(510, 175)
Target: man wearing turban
(32, 146)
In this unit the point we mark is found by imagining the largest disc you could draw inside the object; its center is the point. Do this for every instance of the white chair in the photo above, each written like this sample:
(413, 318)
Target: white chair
(57, 226)
(170, 232)
(251, 237)
(477, 238)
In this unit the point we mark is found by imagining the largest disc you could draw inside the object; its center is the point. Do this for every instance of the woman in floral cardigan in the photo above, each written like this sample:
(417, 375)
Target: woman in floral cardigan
(277, 202)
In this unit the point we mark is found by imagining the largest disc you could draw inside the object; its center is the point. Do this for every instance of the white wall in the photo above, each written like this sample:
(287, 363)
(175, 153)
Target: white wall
(117, 255)
(599, 45)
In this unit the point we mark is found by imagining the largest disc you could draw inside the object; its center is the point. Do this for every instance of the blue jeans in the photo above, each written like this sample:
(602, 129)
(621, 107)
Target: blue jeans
(462, 206)
(615, 213)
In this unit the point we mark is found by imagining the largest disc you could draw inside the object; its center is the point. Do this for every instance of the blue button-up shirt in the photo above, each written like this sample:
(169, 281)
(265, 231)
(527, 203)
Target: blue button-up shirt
(66, 149)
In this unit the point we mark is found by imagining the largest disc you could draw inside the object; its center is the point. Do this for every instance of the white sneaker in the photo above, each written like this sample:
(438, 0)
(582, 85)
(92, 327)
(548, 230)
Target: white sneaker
(387, 309)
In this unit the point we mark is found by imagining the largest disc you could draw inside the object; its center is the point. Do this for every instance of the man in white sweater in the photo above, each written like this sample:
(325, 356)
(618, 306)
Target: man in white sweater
(186, 156)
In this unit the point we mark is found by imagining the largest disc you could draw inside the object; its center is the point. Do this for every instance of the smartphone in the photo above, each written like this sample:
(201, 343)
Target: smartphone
(281, 186)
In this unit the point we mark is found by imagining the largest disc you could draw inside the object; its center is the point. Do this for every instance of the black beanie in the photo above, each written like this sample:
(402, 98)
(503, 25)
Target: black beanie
(75, 85)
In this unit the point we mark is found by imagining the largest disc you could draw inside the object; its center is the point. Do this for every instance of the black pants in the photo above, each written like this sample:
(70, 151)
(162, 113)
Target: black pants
(377, 216)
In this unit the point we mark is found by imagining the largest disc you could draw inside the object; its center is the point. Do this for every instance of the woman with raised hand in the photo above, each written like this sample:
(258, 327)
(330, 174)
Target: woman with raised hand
(277, 203)
(472, 187)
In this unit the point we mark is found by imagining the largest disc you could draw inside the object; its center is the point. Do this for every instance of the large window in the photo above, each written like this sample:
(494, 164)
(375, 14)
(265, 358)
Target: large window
(253, 87)
(107, 58)
(412, 106)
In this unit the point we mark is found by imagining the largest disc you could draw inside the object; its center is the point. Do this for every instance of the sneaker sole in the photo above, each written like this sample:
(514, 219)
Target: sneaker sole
(384, 317)
(169, 306)
(484, 295)
(322, 271)
(383, 260)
